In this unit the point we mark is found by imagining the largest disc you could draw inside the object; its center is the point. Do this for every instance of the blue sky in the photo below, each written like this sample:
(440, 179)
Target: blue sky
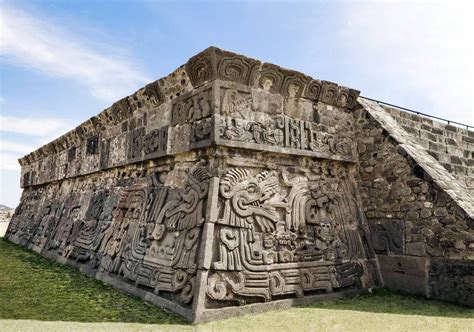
(65, 61)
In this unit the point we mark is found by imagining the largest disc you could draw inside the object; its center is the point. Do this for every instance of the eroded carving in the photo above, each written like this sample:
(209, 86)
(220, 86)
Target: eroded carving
(193, 108)
(156, 141)
(388, 236)
(284, 131)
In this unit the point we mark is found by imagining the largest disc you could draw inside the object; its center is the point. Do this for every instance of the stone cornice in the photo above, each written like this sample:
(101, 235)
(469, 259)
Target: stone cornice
(214, 63)
(208, 65)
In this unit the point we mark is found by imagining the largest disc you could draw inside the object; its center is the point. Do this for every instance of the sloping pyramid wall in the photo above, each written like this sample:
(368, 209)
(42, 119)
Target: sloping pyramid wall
(420, 214)
(452, 146)
(227, 187)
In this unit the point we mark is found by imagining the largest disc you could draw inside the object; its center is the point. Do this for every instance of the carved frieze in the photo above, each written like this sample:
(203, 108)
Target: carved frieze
(283, 131)
(155, 142)
(146, 234)
(281, 234)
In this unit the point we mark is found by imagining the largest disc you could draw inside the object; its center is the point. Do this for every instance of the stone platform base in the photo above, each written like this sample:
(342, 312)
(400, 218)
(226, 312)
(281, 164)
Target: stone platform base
(201, 315)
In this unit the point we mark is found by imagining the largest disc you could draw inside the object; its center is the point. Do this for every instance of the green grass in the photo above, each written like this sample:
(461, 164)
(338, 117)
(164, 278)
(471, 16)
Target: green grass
(386, 301)
(34, 288)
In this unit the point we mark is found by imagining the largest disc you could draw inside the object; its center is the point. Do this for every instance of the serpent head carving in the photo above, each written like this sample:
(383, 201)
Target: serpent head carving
(248, 194)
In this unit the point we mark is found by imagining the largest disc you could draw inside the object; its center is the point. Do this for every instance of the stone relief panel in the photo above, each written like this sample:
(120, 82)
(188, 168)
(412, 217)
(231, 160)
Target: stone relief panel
(201, 131)
(136, 142)
(195, 107)
(405, 273)
(250, 117)
(284, 234)
(156, 141)
(25, 216)
(191, 120)
(388, 236)
(145, 231)
(117, 150)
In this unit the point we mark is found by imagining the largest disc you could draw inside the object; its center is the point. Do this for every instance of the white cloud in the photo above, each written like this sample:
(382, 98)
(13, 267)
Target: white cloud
(34, 42)
(35, 131)
(9, 161)
(34, 126)
(11, 151)
(10, 146)
(422, 50)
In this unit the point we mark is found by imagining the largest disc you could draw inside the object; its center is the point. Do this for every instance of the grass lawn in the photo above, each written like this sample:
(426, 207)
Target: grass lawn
(35, 294)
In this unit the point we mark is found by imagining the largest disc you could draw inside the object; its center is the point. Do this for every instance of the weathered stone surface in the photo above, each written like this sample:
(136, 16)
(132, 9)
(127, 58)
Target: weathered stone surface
(452, 281)
(233, 186)
(407, 183)
(404, 273)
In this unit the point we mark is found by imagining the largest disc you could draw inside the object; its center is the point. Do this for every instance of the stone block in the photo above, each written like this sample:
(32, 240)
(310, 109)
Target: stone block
(416, 249)
(452, 281)
(404, 273)
(388, 236)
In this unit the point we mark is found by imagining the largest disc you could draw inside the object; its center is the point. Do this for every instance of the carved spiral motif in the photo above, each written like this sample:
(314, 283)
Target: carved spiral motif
(191, 238)
(187, 293)
(352, 98)
(216, 287)
(231, 179)
(234, 69)
(313, 89)
(200, 71)
(342, 99)
(273, 74)
(329, 93)
(179, 279)
(381, 241)
(293, 86)
(230, 238)
(155, 276)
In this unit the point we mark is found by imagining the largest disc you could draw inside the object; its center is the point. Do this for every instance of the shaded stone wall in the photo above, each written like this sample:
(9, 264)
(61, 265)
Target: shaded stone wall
(451, 146)
(423, 238)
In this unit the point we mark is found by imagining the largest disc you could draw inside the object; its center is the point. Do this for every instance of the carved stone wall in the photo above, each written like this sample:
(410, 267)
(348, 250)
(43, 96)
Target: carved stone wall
(290, 230)
(140, 226)
(232, 186)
